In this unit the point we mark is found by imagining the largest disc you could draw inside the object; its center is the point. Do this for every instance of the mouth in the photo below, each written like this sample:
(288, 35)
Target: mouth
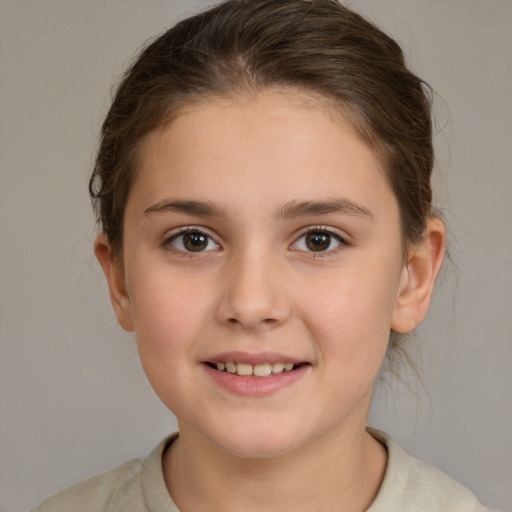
(262, 370)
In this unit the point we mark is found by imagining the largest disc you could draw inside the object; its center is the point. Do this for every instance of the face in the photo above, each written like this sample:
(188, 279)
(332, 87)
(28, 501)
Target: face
(261, 237)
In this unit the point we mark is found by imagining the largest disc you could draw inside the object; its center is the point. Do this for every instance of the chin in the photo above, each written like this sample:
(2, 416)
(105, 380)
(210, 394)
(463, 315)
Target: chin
(258, 442)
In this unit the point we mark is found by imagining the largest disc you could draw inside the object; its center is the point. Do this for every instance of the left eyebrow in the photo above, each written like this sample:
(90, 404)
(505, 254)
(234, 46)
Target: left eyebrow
(304, 208)
(186, 206)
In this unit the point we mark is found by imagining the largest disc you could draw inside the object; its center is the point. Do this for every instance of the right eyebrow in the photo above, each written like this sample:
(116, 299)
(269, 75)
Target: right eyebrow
(336, 205)
(186, 206)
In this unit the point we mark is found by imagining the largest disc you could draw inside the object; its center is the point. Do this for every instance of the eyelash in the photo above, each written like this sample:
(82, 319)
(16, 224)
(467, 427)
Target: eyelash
(323, 230)
(191, 230)
(317, 230)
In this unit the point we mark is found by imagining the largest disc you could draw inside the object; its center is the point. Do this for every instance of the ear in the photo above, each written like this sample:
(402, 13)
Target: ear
(418, 277)
(116, 282)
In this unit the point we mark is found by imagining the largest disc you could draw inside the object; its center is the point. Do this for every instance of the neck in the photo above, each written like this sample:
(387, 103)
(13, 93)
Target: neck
(342, 471)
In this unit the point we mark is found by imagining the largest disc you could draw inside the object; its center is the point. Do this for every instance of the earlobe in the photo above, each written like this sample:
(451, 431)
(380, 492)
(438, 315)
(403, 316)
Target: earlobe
(116, 282)
(418, 277)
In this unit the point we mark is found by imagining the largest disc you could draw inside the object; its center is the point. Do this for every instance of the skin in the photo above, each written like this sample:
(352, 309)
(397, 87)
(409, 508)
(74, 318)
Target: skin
(258, 288)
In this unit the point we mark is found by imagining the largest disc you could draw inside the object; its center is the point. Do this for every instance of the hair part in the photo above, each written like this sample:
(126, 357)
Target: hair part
(243, 47)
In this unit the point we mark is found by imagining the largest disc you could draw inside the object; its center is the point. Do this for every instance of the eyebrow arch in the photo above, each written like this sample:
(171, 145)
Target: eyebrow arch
(338, 205)
(186, 206)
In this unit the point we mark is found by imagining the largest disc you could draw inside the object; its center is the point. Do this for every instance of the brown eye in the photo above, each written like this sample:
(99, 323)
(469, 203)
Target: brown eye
(318, 241)
(193, 241)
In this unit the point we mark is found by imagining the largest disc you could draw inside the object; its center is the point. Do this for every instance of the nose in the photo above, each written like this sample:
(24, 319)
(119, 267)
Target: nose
(253, 292)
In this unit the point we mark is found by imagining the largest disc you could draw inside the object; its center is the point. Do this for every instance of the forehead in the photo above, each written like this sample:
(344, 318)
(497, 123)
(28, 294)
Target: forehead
(270, 147)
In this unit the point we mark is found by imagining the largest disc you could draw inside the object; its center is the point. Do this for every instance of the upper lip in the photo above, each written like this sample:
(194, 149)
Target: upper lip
(253, 358)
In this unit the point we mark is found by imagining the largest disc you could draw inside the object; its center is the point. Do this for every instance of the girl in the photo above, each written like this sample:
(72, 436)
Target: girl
(263, 189)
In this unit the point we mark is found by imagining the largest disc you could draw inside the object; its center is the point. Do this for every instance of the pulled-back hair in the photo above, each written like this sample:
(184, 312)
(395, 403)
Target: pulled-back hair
(245, 46)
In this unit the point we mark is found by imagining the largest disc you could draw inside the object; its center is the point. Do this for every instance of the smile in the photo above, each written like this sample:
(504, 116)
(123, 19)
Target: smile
(256, 370)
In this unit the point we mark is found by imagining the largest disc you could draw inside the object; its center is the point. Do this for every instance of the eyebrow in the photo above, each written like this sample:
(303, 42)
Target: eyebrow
(338, 205)
(186, 206)
(289, 210)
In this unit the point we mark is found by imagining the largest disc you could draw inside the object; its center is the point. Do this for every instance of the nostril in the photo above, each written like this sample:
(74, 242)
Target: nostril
(269, 322)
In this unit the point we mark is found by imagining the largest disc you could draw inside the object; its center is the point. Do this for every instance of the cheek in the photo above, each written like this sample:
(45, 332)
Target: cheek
(350, 315)
(168, 314)
(168, 317)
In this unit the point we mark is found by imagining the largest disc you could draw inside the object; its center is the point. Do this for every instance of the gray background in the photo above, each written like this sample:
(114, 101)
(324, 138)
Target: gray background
(73, 398)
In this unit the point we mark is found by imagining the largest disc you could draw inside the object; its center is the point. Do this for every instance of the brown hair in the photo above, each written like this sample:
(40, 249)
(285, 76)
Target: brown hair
(240, 46)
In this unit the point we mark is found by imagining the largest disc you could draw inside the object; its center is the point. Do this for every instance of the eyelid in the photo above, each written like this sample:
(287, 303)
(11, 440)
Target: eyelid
(173, 234)
(335, 233)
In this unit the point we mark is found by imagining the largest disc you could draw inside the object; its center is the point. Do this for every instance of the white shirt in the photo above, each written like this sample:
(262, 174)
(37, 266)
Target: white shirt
(409, 485)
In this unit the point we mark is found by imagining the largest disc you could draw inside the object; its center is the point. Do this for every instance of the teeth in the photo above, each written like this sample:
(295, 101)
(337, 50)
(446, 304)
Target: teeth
(244, 369)
(230, 367)
(259, 370)
(277, 367)
(262, 370)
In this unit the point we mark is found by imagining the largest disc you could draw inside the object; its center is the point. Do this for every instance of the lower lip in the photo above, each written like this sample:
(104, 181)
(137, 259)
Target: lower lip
(256, 386)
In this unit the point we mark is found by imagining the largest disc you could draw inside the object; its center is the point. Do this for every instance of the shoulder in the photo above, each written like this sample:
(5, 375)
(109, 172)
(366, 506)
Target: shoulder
(125, 488)
(100, 492)
(96, 493)
(412, 484)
